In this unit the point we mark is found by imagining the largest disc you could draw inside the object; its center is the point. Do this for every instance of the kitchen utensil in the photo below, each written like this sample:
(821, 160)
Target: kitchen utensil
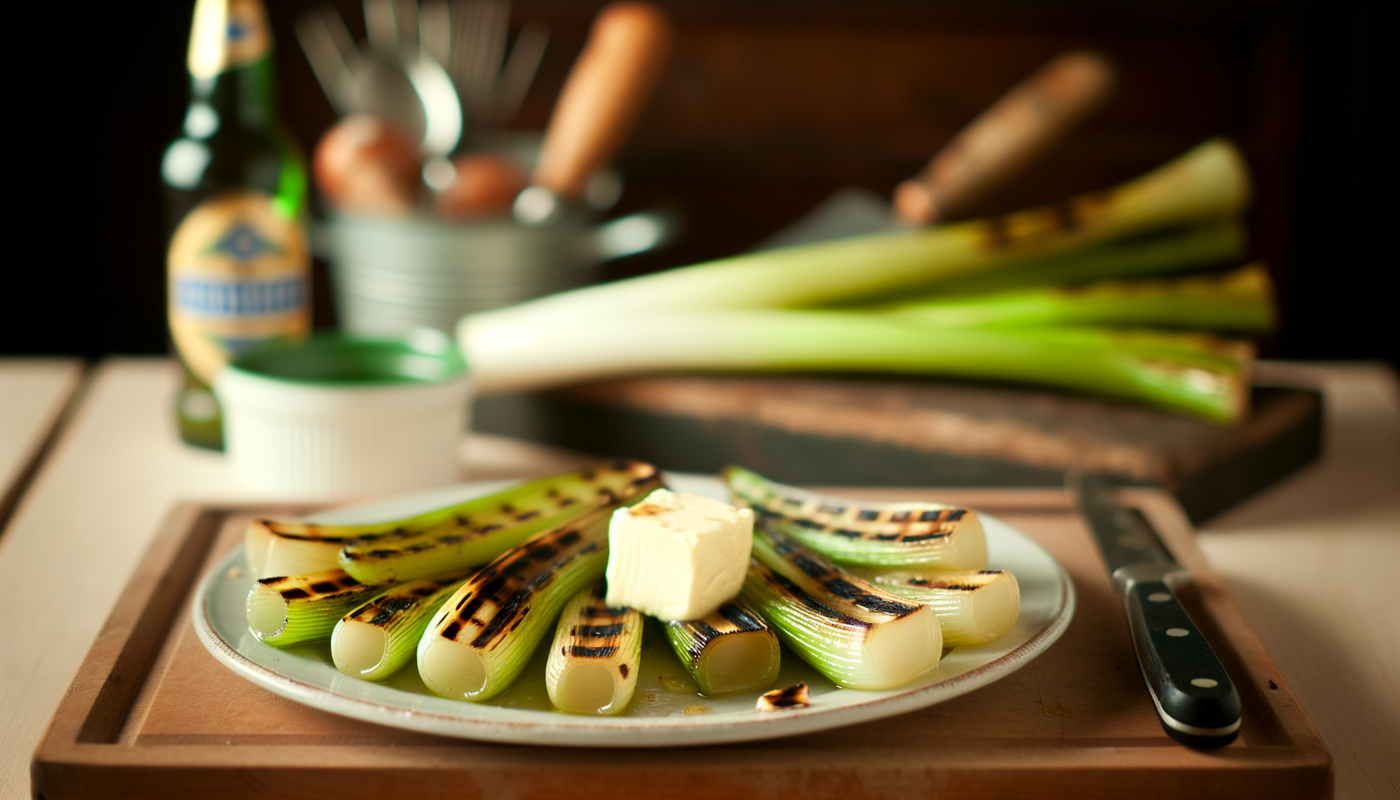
(991, 150)
(600, 102)
(1196, 702)
(479, 29)
(343, 416)
(391, 275)
(394, 79)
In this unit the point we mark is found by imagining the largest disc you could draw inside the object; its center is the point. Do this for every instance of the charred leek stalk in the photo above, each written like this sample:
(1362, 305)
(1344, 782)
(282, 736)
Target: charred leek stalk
(853, 633)
(1156, 252)
(592, 666)
(871, 534)
(1208, 183)
(972, 607)
(373, 641)
(730, 651)
(484, 634)
(294, 546)
(1241, 300)
(303, 608)
(492, 525)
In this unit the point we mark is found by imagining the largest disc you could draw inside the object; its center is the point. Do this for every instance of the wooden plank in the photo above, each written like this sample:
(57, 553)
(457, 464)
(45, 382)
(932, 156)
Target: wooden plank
(1074, 722)
(34, 395)
(806, 430)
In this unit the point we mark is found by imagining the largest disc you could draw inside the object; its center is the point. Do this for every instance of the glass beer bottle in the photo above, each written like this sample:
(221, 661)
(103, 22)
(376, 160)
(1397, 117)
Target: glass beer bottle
(238, 263)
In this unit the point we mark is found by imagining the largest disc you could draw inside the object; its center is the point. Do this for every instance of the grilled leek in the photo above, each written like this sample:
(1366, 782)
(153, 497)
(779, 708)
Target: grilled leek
(492, 525)
(593, 664)
(374, 640)
(730, 651)
(973, 608)
(484, 634)
(870, 534)
(295, 609)
(853, 633)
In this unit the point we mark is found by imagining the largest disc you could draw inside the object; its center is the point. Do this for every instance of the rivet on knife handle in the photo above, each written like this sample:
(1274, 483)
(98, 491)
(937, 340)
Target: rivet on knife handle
(1195, 700)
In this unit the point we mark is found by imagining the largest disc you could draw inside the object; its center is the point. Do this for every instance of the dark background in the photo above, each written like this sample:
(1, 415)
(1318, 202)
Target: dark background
(766, 108)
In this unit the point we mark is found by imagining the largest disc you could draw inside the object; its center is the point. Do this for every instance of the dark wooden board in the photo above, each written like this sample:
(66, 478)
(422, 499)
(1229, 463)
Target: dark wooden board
(892, 432)
(152, 715)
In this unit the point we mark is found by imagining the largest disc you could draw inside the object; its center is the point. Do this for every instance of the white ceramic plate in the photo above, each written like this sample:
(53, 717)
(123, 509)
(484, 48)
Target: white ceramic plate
(665, 710)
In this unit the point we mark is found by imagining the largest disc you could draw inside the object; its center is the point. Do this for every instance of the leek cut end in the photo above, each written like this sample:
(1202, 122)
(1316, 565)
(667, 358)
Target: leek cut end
(588, 688)
(358, 649)
(267, 612)
(256, 542)
(288, 556)
(901, 651)
(996, 606)
(738, 663)
(452, 669)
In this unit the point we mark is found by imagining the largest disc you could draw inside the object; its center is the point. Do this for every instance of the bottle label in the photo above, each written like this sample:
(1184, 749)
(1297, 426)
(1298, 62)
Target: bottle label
(227, 33)
(239, 276)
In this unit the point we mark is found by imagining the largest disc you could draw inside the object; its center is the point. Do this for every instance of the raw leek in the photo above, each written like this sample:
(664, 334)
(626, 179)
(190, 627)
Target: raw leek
(373, 641)
(1188, 373)
(853, 633)
(295, 609)
(592, 667)
(483, 635)
(494, 524)
(973, 608)
(730, 651)
(855, 532)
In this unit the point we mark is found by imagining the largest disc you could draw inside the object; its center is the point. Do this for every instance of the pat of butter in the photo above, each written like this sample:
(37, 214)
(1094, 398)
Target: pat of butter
(677, 556)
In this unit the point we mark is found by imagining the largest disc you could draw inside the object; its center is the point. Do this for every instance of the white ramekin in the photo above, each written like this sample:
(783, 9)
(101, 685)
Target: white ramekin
(340, 417)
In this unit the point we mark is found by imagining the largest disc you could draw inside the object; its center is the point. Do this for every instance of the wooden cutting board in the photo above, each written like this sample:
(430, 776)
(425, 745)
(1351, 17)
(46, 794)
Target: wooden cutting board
(152, 715)
(892, 432)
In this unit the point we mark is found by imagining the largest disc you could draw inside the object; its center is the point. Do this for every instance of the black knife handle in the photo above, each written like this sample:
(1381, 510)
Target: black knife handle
(1196, 702)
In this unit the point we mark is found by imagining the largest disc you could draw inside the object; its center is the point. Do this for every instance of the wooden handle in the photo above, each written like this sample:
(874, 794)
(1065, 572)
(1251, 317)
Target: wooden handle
(603, 96)
(1007, 136)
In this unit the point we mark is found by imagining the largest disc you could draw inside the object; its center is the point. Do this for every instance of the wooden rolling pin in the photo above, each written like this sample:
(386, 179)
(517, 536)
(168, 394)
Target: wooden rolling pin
(603, 96)
(998, 144)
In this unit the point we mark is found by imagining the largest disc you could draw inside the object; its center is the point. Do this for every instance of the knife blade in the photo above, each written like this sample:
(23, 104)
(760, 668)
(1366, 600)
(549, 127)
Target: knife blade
(1196, 702)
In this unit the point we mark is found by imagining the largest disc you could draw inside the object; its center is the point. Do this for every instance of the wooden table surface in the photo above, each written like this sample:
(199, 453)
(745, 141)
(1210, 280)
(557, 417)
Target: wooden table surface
(33, 395)
(1308, 559)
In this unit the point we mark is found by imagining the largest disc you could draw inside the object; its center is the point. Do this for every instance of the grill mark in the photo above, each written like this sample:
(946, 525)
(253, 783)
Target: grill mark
(599, 631)
(580, 651)
(955, 515)
(740, 618)
(324, 587)
(929, 516)
(704, 630)
(884, 605)
(868, 514)
(922, 537)
(810, 566)
(452, 629)
(998, 231)
(811, 602)
(528, 515)
(842, 588)
(622, 668)
(593, 612)
(294, 594)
